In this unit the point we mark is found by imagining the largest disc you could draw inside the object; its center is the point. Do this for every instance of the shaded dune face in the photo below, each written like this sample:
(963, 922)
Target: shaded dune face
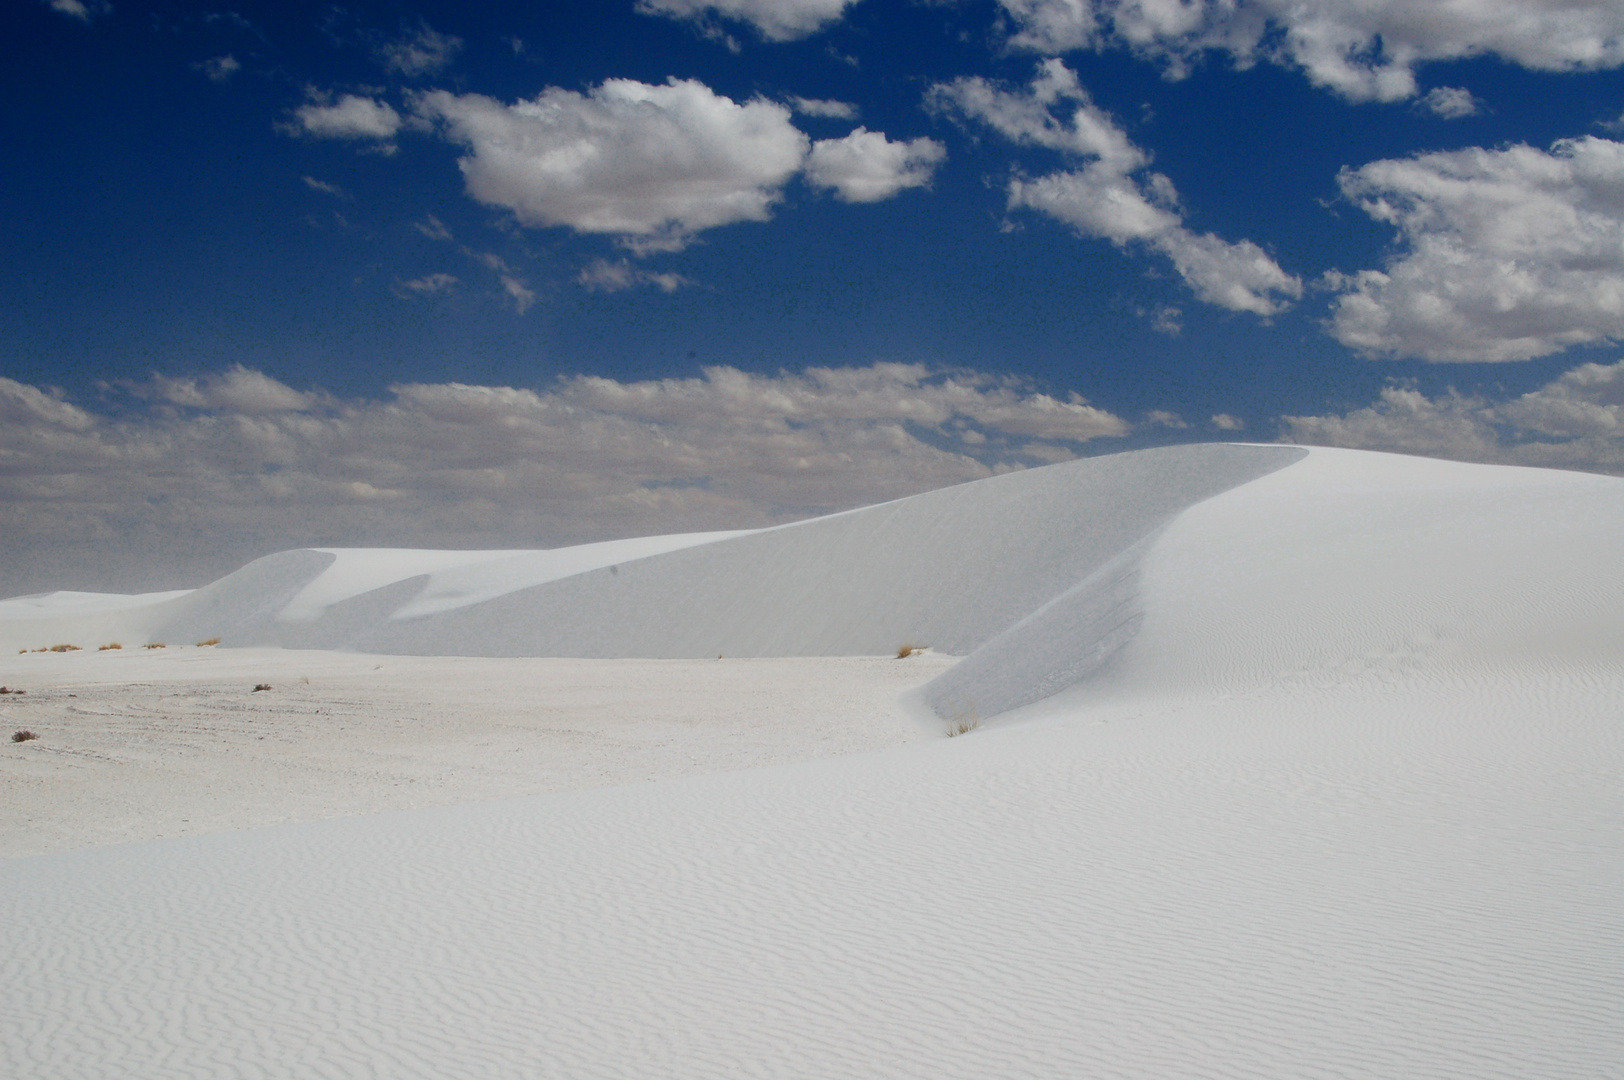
(1349, 571)
(949, 569)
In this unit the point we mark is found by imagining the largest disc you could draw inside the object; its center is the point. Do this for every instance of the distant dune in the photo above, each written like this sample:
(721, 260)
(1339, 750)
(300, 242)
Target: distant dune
(1275, 762)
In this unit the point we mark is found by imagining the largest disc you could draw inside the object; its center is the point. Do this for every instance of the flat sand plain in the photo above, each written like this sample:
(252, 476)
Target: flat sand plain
(139, 744)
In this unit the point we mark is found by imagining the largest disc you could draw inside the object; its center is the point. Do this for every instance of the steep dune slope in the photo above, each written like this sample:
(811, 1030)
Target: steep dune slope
(1348, 566)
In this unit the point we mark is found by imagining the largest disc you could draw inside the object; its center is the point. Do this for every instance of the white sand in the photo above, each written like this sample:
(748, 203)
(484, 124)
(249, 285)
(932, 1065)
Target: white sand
(140, 744)
(1324, 777)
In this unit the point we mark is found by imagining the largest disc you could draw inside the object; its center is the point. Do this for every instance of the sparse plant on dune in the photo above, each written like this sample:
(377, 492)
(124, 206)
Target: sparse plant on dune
(111, 645)
(23, 736)
(261, 686)
(155, 645)
(208, 641)
(64, 648)
(963, 722)
(907, 649)
(9, 690)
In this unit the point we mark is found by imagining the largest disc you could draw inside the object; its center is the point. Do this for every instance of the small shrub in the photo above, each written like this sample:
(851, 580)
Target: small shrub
(261, 686)
(23, 736)
(111, 645)
(208, 641)
(64, 648)
(904, 651)
(9, 690)
(154, 645)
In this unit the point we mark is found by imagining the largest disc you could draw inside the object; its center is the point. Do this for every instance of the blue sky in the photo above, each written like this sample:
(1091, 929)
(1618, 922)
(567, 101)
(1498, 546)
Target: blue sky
(657, 265)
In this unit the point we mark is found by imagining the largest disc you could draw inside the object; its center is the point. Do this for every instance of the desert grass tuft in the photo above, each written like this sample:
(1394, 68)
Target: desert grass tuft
(23, 736)
(64, 648)
(155, 645)
(111, 645)
(9, 690)
(964, 721)
(906, 650)
(261, 686)
(208, 641)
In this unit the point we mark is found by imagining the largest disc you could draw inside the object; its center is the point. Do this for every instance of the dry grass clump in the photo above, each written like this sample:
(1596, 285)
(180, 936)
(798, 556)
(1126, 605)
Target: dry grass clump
(155, 645)
(63, 648)
(9, 690)
(964, 721)
(111, 645)
(208, 641)
(906, 650)
(23, 736)
(261, 686)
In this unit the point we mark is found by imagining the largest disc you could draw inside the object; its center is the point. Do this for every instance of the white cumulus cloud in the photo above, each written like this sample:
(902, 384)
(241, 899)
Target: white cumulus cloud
(656, 165)
(1451, 102)
(351, 117)
(651, 164)
(775, 20)
(865, 166)
(1364, 50)
(216, 470)
(1575, 421)
(1113, 195)
(1509, 254)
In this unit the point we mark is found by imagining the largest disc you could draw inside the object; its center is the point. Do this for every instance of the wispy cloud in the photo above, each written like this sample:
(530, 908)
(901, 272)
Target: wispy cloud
(824, 108)
(433, 228)
(775, 20)
(82, 10)
(419, 50)
(430, 284)
(1113, 195)
(601, 275)
(219, 69)
(324, 187)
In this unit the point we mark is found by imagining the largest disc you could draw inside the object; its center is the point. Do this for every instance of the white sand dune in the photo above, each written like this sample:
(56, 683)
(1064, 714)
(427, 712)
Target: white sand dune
(1306, 765)
(948, 569)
